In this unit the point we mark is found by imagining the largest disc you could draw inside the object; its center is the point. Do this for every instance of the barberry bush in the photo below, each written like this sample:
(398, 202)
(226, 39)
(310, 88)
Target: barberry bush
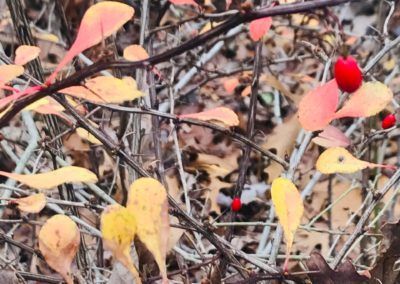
(187, 141)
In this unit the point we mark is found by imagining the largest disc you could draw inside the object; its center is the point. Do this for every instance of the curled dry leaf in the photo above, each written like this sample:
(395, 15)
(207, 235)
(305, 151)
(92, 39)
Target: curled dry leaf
(318, 107)
(368, 100)
(339, 160)
(331, 137)
(26, 53)
(105, 89)
(54, 178)
(118, 228)
(135, 52)
(259, 28)
(221, 114)
(59, 240)
(289, 208)
(10, 72)
(31, 204)
(99, 21)
(345, 273)
(147, 200)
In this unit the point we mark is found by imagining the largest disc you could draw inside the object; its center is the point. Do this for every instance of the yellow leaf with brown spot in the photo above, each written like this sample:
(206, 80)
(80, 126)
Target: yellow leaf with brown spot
(220, 114)
(339, 160)
(289, 208)
(118, 228)
(54, 178)
(59, 240)
(31, 204)
(147, 200)
(26, 53)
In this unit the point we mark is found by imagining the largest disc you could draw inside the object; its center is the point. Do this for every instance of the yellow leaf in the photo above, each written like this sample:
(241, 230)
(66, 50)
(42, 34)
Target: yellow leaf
(118, 227)
(26, 53)
(46, 37)
(10, 72)
(31, 204)
(147, 200)
(289, 208)
(209, 26)
(54, 178)
(59, 240)
(339, 160)
(106, 89)
(135, 52)
(83, 133)
(368, 100)
(222, 114)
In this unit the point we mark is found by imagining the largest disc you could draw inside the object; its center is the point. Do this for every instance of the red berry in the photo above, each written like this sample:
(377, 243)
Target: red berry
(389, 121)
(236, 204)
(347, 74)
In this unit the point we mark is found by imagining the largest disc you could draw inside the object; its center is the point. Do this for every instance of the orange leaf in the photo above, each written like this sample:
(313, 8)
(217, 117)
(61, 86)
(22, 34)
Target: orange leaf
(331, 137)
(318, 107)
(106, 89)
(26, 53)
(231, 84)
(31, 204)
(147, 200)
(184, 2)
(135, 52)
(289, 208)
(260, 27)
(10, 72)
(368, 100)
(59, 240)
(48, 106)
(339, 160)
(100, 21)
(54, 178)
(222, 114)
(118, 227)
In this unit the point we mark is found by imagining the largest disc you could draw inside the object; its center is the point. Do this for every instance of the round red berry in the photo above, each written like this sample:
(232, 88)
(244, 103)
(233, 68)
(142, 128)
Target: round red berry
(347, 74)
(236, 204)
(389, 121)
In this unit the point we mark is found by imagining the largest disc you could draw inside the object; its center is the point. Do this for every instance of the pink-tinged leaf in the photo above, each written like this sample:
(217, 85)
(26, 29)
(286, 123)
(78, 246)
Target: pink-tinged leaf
(184, 2)
(368, 100)
(231, 84)
(228, 4)
(259, 28)
(26, 53)
(135, 52)
(221, 114)
(332, 137)
(10, 72)
(100, 21)
(318, 107)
